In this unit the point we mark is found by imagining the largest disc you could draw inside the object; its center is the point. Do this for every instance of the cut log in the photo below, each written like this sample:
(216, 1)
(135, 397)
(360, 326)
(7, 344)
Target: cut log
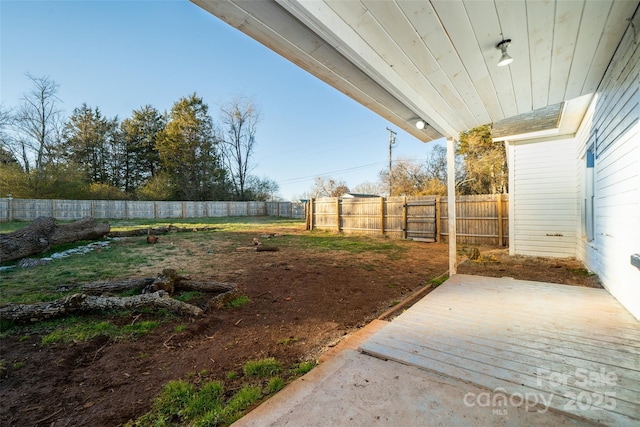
(43, 233)
(166, 281)
(257, 249)
(155, 294)
(214, 287)
(158, 231)
(86, 303)
(111, 287)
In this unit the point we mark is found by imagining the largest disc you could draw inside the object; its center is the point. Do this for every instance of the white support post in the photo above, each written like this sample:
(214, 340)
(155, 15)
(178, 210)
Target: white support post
(451, 205)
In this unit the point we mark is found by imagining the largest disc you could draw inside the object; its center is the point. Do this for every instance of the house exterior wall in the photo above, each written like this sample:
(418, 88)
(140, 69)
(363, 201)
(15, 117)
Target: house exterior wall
(609, 203)
(543, 200)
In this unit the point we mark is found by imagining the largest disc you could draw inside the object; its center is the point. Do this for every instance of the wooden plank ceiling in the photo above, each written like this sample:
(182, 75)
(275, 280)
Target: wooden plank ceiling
(437, 60)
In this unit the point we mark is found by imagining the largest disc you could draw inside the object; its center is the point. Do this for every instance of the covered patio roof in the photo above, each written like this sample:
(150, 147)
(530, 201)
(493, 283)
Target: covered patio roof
(437, 60)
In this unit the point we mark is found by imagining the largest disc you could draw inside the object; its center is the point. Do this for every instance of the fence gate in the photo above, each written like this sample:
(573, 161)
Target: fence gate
(421, 220)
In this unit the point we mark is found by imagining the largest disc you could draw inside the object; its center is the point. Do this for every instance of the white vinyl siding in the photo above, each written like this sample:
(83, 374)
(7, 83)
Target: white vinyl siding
(542, 206)
(612, 128)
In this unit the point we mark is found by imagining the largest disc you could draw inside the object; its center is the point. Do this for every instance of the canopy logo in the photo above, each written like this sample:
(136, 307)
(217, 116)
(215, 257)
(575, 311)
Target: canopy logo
(499, 400)
(580, 390)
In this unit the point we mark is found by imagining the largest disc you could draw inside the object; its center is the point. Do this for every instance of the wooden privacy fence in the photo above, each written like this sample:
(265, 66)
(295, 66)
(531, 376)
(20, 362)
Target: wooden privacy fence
(30, 209)
(480, 220)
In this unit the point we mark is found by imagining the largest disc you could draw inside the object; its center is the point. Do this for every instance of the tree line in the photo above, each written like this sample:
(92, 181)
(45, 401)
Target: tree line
(151, 155)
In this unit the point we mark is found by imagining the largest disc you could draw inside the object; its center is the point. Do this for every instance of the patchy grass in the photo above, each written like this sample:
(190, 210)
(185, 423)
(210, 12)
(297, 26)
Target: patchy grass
(583, 272)
(439, 280)
(226, 224)
(238, 302)
(339, 242)
(80, 329)
(84, 330)
(209, 403)
(274, 385)
(36, 284)
(262, 368)
(189, 295)
(289, 340)
(124, 257)
(303, 367)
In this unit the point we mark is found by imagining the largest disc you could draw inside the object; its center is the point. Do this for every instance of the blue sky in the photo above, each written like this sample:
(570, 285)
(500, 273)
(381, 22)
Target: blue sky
(121, 55)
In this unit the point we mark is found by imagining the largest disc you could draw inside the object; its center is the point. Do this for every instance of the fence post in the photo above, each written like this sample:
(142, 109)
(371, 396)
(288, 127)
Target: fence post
(438, 219)
(338, 213)
(382, 215)
(404, 217)
(184, 209)
(500, 227)
(155, 210)
(10, 218)
(310, 227)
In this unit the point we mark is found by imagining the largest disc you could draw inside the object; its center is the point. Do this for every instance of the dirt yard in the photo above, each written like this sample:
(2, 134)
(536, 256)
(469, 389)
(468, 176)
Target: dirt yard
(302, 302)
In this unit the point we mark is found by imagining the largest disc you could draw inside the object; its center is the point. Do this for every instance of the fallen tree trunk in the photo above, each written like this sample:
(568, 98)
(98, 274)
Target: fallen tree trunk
(106, 287)
(43, 233)
(257, 249)
(85, 303)
(168, 281)
(158, 231)
(155, 293)
(217, 287)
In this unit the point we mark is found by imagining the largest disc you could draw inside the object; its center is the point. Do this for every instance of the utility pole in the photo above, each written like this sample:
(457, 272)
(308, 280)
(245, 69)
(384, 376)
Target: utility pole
(392, 143)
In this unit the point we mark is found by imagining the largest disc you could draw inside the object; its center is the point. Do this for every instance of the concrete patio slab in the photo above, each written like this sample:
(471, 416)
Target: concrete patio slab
(422, 376)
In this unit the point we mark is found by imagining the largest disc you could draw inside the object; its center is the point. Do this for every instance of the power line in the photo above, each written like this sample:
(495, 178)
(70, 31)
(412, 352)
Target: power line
(352, 169)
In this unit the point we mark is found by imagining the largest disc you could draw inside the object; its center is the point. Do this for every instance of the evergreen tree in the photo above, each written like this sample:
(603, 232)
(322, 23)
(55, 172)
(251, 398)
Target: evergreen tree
(139, 136)
(188, 151)
(91, 142)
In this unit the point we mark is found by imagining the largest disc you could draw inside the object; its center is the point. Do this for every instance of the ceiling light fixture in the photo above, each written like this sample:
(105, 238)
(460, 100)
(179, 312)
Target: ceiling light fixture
(421, 124)
(505, 59)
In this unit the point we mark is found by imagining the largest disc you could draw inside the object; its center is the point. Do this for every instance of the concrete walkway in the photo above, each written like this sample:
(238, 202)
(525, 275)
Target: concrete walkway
(414, 387)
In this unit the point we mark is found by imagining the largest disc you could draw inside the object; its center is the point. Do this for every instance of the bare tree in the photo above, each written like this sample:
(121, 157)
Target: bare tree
(262, 189)
(6, 120)
(239, 119)
(369, 187)
(37, 123)
(329, 187)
